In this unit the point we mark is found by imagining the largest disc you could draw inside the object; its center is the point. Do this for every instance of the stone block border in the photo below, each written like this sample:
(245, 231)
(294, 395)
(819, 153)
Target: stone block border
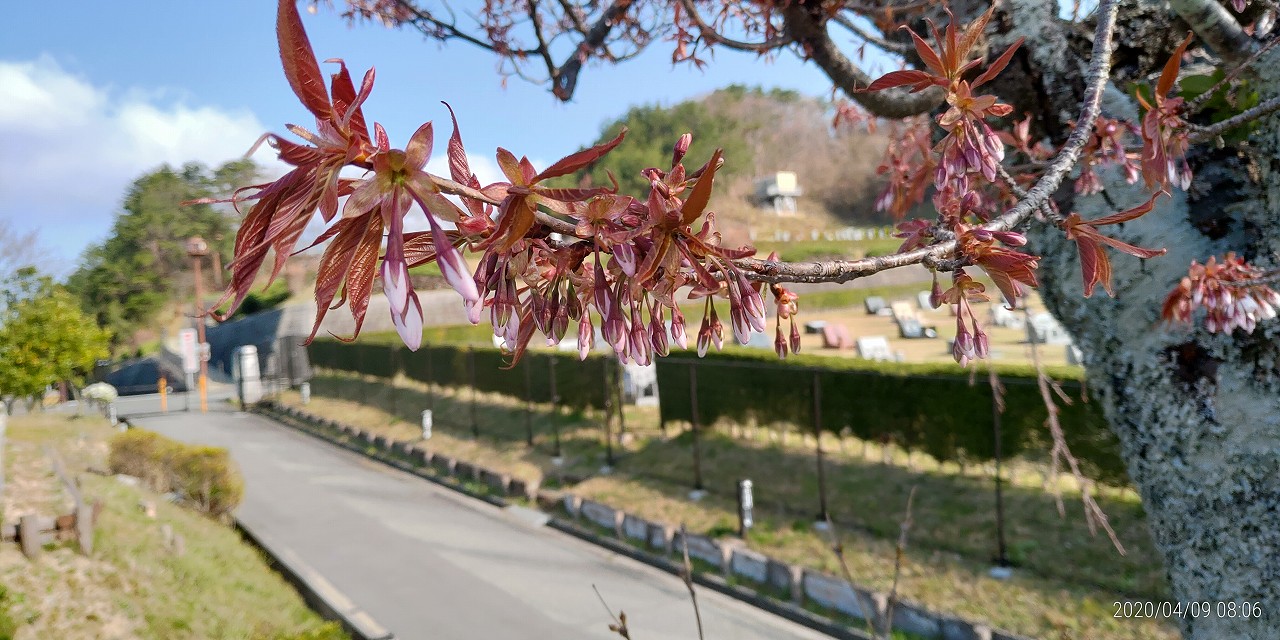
(655, 543)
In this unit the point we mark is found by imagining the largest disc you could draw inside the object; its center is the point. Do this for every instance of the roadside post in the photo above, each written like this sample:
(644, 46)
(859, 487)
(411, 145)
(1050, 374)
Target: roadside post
(746, 505)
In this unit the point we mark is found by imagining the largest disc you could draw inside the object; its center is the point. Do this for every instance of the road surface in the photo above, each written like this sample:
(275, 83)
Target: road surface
(426, 562)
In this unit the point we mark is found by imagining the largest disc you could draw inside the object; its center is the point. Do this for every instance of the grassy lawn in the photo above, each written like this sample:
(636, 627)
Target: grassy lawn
(1066, 578)
(134, 586)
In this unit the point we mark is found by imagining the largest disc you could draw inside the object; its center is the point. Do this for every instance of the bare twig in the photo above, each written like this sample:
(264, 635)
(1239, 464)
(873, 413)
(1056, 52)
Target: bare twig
(870, 38)
(904, 531)
(434, 27)
(712, 36)
(1195, 104)
(1093, 514)
(687, 575)
(810, 31)
(837, 547)
(1200, 134)
(619, 625)
(935, 255)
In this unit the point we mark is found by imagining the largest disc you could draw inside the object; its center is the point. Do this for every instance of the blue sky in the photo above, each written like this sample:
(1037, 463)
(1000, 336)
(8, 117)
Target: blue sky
(96, 95)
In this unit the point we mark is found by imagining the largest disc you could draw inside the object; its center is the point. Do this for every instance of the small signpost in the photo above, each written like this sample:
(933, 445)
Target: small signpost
(746, 503)
(426, 424)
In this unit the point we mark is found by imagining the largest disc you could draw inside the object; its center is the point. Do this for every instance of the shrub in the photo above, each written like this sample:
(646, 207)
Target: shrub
(144, 454)
(205, 476)
(580, 385)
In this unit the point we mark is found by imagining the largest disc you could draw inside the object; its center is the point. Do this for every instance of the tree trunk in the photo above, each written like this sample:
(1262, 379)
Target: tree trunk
(1197, 414)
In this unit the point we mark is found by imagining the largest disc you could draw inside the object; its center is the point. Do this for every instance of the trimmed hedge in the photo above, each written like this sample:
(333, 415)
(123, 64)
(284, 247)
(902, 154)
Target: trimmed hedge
(928, 408)
(205, 476)
(923, 407)
(579, 384)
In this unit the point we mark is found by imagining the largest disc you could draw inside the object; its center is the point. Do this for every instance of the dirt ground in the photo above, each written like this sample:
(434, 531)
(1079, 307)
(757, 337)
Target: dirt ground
(1007, 345)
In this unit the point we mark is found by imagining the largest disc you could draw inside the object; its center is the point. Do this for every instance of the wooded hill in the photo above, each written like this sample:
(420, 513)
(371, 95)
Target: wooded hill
(761, 131)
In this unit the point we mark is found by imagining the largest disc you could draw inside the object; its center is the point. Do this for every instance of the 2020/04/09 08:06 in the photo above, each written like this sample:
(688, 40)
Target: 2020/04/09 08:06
(1192, 609)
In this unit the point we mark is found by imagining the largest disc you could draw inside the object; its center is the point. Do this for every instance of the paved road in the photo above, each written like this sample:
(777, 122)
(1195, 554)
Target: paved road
(426, 562)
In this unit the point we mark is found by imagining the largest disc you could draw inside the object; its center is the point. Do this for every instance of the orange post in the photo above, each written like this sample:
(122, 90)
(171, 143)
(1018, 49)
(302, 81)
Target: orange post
(164, 394)
(204, 402)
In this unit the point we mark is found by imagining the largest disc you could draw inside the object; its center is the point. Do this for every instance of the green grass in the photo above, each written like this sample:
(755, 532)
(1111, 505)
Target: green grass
(133, 585)
(1065, 577)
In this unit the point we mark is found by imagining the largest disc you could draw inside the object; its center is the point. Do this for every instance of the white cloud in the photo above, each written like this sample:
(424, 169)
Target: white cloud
(70, 149)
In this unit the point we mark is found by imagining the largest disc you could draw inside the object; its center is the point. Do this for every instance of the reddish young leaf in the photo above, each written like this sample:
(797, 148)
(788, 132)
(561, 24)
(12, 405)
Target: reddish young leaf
(333, 267)
(892, 79)
(580, 160)
(1170, 73)
(364, 266)
(511, 167)
(927, 54)
(459, 168)
(299, 60)
(701, 194)
(347, 102)
(972, 32)
(998, 66)
(1128, 214)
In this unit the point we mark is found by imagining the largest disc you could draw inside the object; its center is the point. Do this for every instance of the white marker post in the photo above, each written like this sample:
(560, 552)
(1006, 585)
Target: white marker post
(305, 390)
(426, 424)
(746, 505)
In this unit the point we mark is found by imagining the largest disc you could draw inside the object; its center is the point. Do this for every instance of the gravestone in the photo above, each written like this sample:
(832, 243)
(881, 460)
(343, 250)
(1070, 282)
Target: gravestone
(874, 348)
(873, 305)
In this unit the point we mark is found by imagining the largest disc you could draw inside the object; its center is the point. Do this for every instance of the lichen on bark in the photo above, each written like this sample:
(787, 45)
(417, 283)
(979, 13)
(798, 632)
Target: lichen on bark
(1197, 414)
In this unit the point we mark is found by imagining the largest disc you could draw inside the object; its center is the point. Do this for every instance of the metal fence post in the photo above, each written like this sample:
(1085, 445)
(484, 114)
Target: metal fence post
(693, 419)
(528, 401)
(555, 403)
(608, 417)
(817, 437)
(621, 402)
(471, 372)
(1002, 558)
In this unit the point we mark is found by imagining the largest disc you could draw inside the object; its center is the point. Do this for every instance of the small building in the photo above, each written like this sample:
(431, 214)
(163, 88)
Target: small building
(778, 192)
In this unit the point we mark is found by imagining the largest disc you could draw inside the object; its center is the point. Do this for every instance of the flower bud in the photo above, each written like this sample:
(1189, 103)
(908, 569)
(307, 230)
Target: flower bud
(586, 336)
(677, 328)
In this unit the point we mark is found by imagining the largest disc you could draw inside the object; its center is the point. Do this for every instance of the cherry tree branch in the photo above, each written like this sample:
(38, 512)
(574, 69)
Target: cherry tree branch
(1217, 27)
(1193, 105)
(1200, 134)
(712, 36)
(565, 79)
(811, 32)
(434, 27)
(843, 270)
(939, 255)
(870, 38)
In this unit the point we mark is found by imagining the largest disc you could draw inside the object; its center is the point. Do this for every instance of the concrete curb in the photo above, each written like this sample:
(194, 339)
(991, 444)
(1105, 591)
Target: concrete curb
(397, 455)
(319, 593)
(788, 611)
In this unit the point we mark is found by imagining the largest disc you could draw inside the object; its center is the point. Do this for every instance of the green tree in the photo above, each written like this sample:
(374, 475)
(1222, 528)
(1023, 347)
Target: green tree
(44, 336)
(125, 280)
(761, 131)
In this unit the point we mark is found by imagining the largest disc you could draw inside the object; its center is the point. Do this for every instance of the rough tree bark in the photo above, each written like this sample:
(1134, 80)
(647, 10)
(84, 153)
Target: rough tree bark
(1197, 414)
